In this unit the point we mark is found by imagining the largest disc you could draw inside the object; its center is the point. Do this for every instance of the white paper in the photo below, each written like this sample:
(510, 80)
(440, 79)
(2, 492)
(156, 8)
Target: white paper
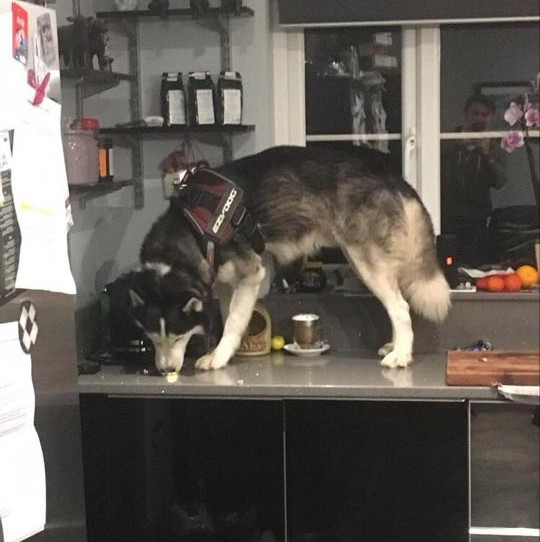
(22, 469)
(177, 106)
(232, 106)
(477, 273)
(205, 106)
(41, 197)
(521, 394)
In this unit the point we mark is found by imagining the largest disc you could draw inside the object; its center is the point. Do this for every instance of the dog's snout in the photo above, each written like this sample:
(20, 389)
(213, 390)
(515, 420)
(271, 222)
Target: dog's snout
(170, 349)
(169, 359)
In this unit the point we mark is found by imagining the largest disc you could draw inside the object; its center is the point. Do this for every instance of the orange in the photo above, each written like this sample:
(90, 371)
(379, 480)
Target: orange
(481, 283)
(528, 275)
(512, 283)
(495, 283)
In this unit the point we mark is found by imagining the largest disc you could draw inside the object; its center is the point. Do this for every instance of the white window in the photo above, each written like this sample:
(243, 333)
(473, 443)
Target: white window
(417, 80)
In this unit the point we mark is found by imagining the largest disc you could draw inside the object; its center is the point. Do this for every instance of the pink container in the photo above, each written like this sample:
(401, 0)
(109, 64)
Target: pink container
(81, 151)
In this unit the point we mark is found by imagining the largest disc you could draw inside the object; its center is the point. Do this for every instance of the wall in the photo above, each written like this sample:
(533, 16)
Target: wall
(107, 235)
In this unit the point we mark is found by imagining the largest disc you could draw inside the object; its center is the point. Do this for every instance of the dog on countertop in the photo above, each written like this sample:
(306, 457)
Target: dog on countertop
(298, 200)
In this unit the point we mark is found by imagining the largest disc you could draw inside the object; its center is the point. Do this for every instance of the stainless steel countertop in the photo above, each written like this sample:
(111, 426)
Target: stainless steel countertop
(284, 376)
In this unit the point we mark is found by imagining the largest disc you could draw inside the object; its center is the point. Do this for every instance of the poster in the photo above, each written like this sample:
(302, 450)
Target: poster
(22, 468)
(35, 183)
(10, 235)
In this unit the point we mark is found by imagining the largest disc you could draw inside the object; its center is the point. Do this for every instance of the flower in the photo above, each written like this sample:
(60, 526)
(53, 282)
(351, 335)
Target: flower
(512, 140)
(532, 117)
(513, 114)
(523, 112)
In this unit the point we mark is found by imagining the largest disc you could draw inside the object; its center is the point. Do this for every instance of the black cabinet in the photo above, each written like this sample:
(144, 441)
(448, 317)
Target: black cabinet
(505, 470)
(226, 470)
(183, 470)
(377, 471)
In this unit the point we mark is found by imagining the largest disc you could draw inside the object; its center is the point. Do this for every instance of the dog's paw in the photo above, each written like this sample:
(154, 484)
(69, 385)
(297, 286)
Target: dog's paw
(212, 361)
(385, 349)
(396, 359)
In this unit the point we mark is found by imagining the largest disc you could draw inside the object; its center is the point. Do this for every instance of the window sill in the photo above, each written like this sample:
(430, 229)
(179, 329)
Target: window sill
(524, 295)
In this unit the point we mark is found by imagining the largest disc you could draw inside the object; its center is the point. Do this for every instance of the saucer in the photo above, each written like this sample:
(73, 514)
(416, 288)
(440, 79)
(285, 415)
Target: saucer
(306, 352)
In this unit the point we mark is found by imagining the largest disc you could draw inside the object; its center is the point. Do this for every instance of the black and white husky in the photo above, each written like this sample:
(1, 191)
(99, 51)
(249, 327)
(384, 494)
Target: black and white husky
(303, 199)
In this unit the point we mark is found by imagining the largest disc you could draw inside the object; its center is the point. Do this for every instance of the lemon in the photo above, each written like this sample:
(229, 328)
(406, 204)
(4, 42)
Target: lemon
(278, 342)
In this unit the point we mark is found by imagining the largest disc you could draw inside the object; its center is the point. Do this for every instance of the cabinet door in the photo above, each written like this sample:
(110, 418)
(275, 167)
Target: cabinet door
(228, 456)
(180, 470)
(374, 471)
(505, 472)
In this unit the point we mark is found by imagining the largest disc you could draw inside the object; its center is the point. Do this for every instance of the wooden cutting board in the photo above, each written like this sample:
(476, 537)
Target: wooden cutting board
(466, 368)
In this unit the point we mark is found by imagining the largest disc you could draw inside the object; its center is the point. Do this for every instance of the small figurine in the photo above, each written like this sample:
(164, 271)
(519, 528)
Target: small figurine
(73, 42)
(97, 41)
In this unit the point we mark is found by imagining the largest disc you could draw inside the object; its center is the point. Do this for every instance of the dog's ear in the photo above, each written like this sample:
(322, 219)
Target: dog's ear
(136, 299)
(193, 305)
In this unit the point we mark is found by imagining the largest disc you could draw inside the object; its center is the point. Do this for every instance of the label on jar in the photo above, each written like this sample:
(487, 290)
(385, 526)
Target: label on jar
(232, 106)
(177, 107)
(103, 169)
(111, 162)
(205, 106)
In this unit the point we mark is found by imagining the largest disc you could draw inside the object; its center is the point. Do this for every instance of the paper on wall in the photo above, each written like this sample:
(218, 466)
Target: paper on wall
(13, 77)
(22, 469)
(41, 196)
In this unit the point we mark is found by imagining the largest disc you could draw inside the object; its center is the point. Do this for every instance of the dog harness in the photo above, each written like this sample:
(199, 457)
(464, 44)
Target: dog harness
(215, 206)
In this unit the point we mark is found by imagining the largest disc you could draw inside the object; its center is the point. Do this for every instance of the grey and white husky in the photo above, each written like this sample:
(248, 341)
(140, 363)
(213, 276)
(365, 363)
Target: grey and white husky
(302, 199)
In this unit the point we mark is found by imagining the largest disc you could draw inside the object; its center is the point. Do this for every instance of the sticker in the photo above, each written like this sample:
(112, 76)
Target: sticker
(20, 34)
(46, 48)
(28, 328)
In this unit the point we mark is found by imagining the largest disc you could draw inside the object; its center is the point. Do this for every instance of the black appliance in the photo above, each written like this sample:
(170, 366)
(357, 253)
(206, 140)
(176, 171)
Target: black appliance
(125, 342)
(447, 252)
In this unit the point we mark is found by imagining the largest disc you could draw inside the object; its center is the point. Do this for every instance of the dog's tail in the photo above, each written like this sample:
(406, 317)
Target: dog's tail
(429, 297)
(421, 280)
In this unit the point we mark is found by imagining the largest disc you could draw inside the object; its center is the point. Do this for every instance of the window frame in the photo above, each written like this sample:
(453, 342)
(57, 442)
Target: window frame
(421, 79)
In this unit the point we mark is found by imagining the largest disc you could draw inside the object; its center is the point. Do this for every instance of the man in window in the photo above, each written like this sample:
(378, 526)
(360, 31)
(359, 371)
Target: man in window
(471, 167)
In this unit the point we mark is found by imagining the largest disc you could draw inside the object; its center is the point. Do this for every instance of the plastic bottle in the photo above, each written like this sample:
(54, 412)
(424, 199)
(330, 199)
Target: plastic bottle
(105, 153)
(81, 150)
